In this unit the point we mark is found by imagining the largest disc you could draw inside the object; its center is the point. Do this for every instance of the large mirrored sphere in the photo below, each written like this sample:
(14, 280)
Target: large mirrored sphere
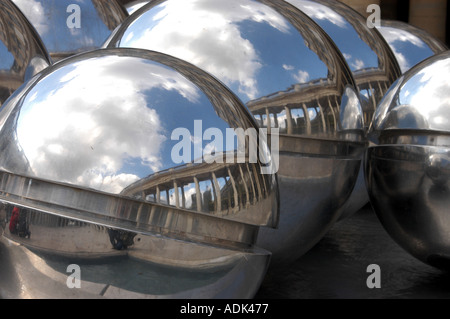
(107, 162)
(22, 53)
(370, 59)
(69, 27)
(409, 44)
(295, 83)
(408, 161)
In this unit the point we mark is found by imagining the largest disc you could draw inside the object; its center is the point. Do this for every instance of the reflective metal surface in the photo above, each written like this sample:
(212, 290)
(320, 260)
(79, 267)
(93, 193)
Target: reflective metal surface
(135, 5)
(370, 59)
(90, 151)
(293, 80)
(408, 161)
(22, 53)
(68, 27)
(409, 44)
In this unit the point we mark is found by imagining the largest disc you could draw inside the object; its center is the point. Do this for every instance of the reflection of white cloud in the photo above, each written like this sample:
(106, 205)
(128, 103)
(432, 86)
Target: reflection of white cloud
(301, 76)
(34, 11)
(209, 37)
(319, 11)
(428, 92)
(393, 35)
(356, 64)
(98, 134)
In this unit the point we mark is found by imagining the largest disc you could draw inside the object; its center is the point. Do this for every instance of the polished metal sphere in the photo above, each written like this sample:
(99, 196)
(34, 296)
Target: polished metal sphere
(409, 44)
(295, 83)
(68, 27)
(408, 161)
(22, 53)
(370, 59)
(110, 157)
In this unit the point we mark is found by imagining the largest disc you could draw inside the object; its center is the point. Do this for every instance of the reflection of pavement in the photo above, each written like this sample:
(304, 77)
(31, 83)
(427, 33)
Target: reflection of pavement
(81, 245)
(337, 267)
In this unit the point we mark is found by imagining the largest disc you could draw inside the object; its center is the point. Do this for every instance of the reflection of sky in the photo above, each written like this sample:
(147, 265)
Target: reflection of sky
(408, 48)
(7, 60)
(49, 17)
(246, 44)
(357, 53)
(427, 91)
(105, 123)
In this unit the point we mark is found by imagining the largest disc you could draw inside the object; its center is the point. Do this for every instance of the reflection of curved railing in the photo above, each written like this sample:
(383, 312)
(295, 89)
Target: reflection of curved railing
(122, 212)
(217, 188)
(313, 109)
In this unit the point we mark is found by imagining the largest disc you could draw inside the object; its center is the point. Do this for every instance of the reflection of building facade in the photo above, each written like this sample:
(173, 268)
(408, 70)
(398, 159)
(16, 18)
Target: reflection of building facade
(306, 109)
(221, 189)
(111, 12)
(16, 37)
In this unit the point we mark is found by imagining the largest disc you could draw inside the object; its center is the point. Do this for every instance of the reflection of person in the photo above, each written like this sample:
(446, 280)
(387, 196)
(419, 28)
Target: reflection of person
(13, 221)
(120, 239)
(18, 223)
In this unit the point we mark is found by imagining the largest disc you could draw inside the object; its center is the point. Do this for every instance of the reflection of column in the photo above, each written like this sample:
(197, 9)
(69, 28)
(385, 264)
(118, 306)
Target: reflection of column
(216, 187)
(177, 195)
(252, 183)
(247, 195)
(183, 198)
(233, 184)
(307, 120)
(288, 120)
(322, 117)
(332, 112)
(198, 195)
(158, 195)
(429, 15)
(361, 5)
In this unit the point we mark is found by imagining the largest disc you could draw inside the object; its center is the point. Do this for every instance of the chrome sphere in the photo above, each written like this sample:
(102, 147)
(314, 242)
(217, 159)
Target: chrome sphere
(370, 59)
(295, 83)
(22, 53)
(408, 161)
(68, 27)
(108, 157)
(409, 44)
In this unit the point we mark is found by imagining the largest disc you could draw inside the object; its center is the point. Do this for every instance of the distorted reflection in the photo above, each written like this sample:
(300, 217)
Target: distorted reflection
(117, 263)
(232, 46)
(426, 95)
(105, 119)
(22, 54)
(113, 129)
(410, 44)
(121, 239)
(19, 223)
(372, 63)
(408, 164)
(52, 20)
